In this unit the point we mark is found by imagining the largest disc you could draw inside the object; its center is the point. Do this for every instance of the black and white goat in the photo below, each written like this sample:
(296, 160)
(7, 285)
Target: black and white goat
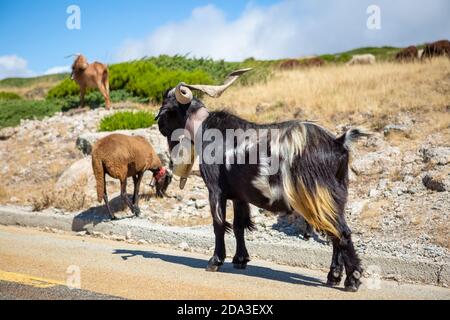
(312, 179)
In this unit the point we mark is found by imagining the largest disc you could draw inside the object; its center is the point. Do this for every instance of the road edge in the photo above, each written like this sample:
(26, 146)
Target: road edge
(287, 254)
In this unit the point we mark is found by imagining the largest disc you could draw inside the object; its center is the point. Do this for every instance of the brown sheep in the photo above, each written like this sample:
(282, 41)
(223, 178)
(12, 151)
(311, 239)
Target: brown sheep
(438, 48)
(94, 75)
(408, 54)
(122, 156)
(290, 64)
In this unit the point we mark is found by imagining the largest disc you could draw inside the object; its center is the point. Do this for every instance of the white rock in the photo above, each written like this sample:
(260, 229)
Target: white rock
(183, 246)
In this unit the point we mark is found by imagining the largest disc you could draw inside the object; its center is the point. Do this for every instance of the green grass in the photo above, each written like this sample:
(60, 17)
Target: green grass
(9, 96)
(12, 111)
(28, 82)
(381, 53)
(127, 120)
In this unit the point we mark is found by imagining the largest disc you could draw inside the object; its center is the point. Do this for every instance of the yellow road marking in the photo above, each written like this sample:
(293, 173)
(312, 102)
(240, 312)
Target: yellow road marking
(29, 280)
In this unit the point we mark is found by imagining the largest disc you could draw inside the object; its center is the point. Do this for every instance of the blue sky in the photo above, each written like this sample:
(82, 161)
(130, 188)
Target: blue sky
(35, 38)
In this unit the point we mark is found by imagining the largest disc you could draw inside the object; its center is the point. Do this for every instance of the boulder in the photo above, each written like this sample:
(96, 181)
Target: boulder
(86, 141)
(435, 155)
(376, 162)
(7, 133)
(79, 176)
(437, 181)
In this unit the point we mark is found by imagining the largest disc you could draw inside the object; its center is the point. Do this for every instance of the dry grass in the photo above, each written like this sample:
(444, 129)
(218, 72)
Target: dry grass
(72, 199)
(334, 93)
(35, 91)
(372, 213)
(3, 193)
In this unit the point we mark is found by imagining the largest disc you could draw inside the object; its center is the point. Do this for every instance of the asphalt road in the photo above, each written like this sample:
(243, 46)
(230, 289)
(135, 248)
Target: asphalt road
(39, 265)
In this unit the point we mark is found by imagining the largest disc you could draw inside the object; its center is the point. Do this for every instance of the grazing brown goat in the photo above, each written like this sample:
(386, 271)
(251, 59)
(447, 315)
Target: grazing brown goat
(94, 75)
(435, 49)
(408, 54)
(122, 156)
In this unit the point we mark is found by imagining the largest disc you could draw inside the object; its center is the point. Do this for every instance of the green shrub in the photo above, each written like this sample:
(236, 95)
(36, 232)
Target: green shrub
(154, 85)
(12, 111)
(66, 88)
(9, 96)
(127, 120)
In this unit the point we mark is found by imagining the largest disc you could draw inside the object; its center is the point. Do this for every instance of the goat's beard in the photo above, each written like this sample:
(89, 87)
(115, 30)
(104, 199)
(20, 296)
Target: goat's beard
(184, 167)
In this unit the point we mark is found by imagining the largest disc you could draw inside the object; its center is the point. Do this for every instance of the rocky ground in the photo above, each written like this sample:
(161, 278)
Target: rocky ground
(399, 196)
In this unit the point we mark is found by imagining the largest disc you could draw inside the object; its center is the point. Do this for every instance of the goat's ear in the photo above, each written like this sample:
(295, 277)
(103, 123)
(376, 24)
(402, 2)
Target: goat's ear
(166, 93)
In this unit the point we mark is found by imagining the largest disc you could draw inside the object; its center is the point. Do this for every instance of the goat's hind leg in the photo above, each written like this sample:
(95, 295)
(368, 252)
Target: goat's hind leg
(308, 231)
(124, 196)
(350, 258)
(105, 198)
(334, 277)
(241, 221)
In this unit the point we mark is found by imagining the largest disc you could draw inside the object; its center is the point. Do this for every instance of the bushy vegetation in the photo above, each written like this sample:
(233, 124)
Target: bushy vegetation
(65, 88)
(127, 120)
(12, 111)
(149, 78)
(9, 96)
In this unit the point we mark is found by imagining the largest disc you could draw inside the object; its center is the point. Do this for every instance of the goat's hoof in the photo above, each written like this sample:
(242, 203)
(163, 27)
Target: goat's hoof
(306, 236)
(352, 281)
(137, 212)
(334, 278)
(240, 262)
(352, 288)
(113, 218)
(214, 264)
(333, 282)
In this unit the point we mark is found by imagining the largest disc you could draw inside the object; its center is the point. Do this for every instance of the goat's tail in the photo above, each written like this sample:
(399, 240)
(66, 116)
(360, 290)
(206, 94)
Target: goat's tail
(314, 201)
(351, 136)
(99, 173)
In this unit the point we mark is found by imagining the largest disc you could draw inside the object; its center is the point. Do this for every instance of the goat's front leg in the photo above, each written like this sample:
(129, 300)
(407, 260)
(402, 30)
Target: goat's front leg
(137, 183)
(217, 203)
(82, 93)
(241, 221)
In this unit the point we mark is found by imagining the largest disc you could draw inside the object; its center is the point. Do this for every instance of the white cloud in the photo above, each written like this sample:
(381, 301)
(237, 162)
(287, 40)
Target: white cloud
(14, 66)
(58, 69)
(293, 28)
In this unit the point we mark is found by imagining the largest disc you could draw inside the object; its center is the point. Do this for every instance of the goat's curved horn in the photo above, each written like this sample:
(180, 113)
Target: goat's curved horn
(72, 55)
(183, 94)
(216, 91)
